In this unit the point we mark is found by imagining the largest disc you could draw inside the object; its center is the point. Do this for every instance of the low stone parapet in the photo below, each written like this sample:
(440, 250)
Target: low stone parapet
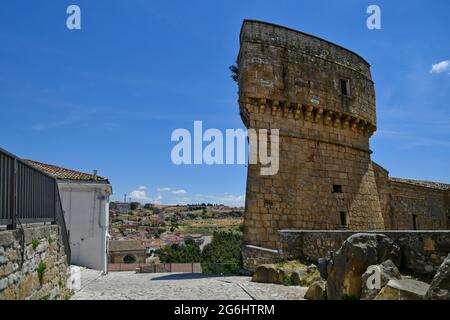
(422, 251)
(33, 264)
(253, 256)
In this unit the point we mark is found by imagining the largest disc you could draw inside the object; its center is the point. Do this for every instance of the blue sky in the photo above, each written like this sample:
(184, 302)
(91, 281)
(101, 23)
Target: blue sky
(108, 96)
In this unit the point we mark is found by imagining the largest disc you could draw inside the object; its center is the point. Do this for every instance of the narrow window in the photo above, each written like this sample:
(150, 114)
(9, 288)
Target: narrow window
(414, 217)
(345, 88)
(343, 216)
(448, 219)
(337, 188)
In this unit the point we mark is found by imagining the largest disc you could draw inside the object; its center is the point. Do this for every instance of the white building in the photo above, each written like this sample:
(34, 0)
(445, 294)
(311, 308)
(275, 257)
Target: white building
(85, 201)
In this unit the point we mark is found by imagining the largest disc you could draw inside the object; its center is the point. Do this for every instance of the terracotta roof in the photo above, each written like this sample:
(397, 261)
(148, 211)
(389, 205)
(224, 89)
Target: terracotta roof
(65, 174)
(422, 183)
(125, 245)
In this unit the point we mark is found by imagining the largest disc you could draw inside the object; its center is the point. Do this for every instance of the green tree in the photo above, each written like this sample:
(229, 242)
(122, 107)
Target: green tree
(223, 254)
(188, 253)
(234, 72)
(134, 205)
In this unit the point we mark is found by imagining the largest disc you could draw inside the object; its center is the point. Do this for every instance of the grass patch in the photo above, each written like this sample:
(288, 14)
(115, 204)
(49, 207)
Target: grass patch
(287, 281)
(41, 271)
(35, 243)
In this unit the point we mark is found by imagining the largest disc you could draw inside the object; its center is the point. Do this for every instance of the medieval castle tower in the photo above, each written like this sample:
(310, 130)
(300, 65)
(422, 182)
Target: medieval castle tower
(321, 98)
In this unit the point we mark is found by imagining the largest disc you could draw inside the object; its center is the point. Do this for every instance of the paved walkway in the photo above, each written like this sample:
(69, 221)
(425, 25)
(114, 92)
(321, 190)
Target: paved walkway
(184, 286)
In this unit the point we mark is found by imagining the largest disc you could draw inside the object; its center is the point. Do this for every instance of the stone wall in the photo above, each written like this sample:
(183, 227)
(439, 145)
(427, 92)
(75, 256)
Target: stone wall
(412, 204)
(428, 206)
(291, 81)
(33, 264)
(253, 256)
(322, 99)
(422, 251)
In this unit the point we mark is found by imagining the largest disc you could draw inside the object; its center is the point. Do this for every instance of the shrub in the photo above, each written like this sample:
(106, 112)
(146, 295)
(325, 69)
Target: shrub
(287, 281)
(234, 72)
(35, 243)
(41, 270)
(188, 253)
(223, 254)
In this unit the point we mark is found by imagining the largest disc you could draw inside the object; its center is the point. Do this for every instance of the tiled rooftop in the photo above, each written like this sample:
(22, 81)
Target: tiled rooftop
(65, 174)
(125, 245)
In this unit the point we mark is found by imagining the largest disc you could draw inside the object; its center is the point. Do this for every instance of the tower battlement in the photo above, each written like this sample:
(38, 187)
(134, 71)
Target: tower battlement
(288, 71)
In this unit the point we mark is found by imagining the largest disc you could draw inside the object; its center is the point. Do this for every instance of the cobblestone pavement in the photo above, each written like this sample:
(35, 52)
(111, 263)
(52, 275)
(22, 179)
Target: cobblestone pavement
(171, 286)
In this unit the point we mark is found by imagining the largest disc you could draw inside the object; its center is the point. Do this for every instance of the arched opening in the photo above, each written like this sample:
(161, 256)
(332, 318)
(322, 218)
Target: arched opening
(129, 259)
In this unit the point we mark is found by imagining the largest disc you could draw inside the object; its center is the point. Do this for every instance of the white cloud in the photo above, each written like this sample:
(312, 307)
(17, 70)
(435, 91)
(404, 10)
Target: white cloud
(231, 200)
(184, 200)
(138, 195)
(142, 188)
(440, 67)
(226, 199)
(181, 191)
(157, 199)
(142, 197)
(167, 189)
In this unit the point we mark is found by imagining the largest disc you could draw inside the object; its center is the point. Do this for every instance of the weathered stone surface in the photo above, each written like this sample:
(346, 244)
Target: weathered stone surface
(311, 268)
(322, 99)
(440, 285)
(416, 248)
(3, 284)
(349, 263)
(26, 287)
(317, 291)
(8, 294)
(23, 282)
(267, 273)
(406, 289)
(6, 239)
(388, 271)
(253, 256)
(298, 277)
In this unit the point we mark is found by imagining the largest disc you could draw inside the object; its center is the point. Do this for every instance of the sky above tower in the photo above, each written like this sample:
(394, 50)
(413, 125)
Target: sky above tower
(108, 96)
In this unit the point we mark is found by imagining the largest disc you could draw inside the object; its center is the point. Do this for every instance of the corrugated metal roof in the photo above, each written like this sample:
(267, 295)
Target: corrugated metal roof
(66, 174)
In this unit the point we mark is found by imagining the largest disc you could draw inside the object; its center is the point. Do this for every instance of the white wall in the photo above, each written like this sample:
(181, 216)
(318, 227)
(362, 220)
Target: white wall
(86, 211)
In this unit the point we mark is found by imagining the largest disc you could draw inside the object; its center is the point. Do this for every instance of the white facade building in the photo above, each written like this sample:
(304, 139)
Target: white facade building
(85, 201)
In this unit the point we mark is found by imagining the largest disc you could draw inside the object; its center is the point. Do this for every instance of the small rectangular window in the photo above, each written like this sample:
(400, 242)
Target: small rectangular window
(414, 218)
(343, 216)
(337, 188)
(345, 88)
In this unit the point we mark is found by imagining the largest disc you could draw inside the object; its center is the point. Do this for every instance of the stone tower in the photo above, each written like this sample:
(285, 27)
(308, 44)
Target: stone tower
(322, 99)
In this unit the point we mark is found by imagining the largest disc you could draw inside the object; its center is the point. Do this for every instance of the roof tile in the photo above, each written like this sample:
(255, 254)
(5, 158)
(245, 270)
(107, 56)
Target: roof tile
(65, 174)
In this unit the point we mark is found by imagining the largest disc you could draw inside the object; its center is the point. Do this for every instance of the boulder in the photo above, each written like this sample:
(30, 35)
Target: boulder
(311, 268)
(406, 289)
(387, 271)
(284, 277)
(357, 253)
(317, 291)
(267, 273)
(298, 277)
(440, 285)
